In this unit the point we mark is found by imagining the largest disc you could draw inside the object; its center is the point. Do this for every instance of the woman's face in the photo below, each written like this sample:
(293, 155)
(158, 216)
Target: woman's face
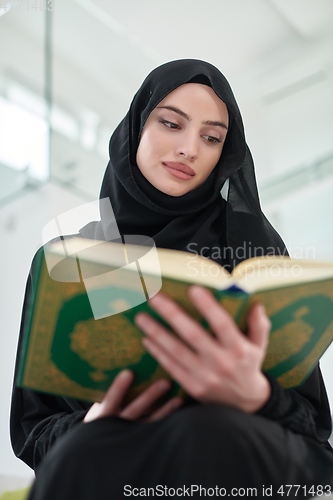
(182, 139)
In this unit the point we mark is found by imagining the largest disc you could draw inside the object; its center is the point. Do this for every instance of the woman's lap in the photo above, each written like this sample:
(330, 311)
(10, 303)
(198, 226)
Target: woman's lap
(197, 445)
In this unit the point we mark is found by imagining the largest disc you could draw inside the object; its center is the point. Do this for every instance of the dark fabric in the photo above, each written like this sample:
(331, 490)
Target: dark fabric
(203, 446)
(294, 424)
(298, 409)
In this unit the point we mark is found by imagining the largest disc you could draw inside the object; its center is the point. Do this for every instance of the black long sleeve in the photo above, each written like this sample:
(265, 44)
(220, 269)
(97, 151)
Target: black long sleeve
(304, 410)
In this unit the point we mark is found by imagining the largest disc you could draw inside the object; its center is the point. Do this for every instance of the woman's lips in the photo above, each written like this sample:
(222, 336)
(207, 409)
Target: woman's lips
(179, 170)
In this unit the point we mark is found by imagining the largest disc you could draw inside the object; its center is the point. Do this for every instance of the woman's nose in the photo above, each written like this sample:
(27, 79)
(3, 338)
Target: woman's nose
(188, 148)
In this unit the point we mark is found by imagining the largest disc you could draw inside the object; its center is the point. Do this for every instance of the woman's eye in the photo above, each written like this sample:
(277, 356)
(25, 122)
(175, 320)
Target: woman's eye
(169, 124)
(211, 139)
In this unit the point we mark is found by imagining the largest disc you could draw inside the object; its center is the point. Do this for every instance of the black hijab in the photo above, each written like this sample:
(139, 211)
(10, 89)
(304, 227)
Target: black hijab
(200, 220)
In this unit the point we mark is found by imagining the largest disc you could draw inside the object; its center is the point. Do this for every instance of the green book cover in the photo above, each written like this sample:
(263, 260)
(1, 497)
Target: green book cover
(67, 352)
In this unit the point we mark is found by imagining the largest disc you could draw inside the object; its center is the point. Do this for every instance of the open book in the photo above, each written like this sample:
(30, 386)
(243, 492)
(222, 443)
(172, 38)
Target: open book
(80, 329)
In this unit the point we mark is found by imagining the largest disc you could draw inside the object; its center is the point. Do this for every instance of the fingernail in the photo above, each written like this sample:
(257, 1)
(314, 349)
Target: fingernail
(177, 403)
(195, 290)
(157, 299)
(265, 316)
(124, 373)
(262, 309)
(140, 319)
(164, 384)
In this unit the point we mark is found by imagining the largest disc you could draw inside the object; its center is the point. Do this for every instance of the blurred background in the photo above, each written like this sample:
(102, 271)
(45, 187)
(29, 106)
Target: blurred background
(68, 71)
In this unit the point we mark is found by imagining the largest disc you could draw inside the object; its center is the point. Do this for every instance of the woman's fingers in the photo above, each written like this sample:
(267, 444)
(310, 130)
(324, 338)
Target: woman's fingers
(169, 343)
(218, 318)
(165, 410)
(194, 334)
(187, 376)
(187, 327)
(140, 405)
(113, 398)
(111, 404)
(213, 365)
(93, 413)
(259, 326)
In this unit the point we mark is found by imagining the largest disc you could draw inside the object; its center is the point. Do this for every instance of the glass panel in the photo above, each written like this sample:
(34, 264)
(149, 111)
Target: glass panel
(23, 124)
(96, 69)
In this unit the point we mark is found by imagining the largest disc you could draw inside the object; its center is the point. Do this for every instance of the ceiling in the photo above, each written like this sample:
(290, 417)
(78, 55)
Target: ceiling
(102, 50)
(116, 43)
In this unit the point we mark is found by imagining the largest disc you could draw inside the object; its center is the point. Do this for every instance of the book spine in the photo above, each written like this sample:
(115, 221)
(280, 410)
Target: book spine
(31, 300)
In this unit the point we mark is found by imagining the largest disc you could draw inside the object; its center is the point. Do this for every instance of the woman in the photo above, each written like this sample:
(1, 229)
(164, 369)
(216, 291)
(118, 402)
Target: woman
(180, 143)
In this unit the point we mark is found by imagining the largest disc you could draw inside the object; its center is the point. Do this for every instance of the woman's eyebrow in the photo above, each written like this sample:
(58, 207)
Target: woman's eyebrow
(184, 115)
(217, 124)
(176, 110)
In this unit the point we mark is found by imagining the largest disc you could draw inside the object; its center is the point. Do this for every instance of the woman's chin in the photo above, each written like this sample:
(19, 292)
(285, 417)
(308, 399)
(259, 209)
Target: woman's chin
(175, 189)
(171, 191)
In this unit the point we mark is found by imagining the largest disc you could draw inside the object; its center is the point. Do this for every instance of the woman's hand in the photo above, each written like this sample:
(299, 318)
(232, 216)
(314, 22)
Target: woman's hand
(225, 369)
(112, 401)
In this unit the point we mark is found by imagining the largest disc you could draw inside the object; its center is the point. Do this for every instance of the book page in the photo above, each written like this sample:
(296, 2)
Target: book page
(193, 268)
(175, 264)
(263, 273)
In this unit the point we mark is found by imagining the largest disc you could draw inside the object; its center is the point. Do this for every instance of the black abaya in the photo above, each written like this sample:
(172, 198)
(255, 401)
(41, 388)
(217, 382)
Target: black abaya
(197, 446)
(283, 443)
